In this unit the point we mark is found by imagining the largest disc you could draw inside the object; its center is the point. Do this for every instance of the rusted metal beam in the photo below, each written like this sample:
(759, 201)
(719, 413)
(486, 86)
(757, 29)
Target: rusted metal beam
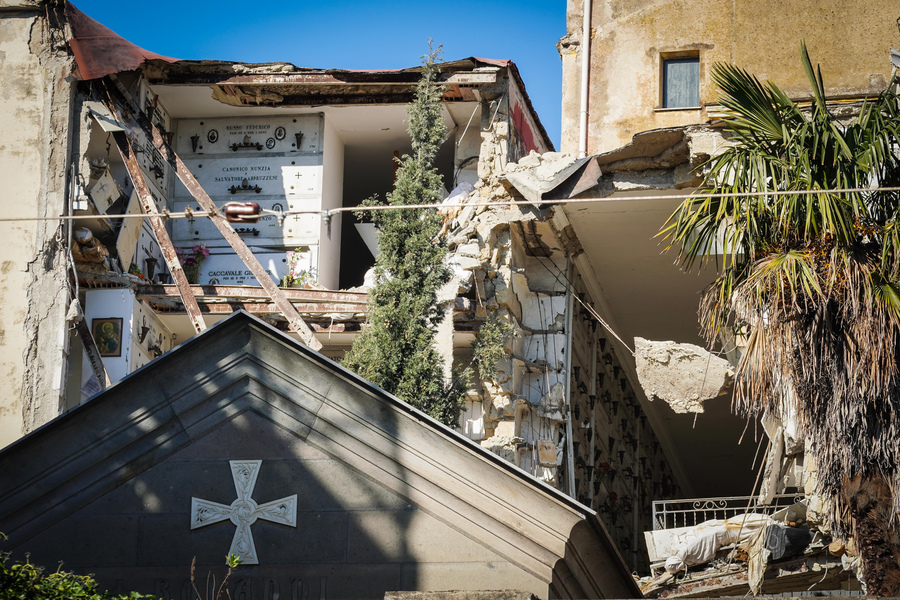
(324, 97)
(231, 236)
(408, 78)
(267, 308)
(162, 236)
(240, 291)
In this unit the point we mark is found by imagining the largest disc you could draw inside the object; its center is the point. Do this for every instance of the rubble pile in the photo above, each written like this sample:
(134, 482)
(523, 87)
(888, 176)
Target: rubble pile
(488, 261)
(749, 552)
(559, 403)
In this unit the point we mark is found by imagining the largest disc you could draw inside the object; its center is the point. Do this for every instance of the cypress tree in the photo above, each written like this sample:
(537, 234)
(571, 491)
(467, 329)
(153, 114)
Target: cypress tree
(396, 349)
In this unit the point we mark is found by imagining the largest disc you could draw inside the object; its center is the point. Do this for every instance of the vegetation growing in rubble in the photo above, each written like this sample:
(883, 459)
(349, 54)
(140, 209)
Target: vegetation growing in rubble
(814, 281)
(489, 345)
(396, 351)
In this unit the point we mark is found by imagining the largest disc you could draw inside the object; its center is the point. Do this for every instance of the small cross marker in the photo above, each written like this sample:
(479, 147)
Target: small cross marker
(244, 511)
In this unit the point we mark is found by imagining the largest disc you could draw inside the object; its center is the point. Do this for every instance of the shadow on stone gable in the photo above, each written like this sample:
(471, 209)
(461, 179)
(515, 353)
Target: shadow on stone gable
(387, 499)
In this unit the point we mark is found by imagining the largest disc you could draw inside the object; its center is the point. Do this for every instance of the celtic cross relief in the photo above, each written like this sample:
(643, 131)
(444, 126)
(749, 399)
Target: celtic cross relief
(244, 511)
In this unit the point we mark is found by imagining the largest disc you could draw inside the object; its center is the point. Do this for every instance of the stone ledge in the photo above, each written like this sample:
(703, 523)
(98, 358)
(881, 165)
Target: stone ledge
(462, 595)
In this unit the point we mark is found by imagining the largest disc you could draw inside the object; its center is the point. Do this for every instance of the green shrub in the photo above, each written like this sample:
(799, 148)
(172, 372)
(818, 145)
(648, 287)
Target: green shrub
(25, 581)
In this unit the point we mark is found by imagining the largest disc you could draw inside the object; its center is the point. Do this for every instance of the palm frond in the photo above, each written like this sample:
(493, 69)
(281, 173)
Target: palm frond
(813, 278)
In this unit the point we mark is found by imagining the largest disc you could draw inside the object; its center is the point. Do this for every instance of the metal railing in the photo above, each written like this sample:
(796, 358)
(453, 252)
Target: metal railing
(668, 514)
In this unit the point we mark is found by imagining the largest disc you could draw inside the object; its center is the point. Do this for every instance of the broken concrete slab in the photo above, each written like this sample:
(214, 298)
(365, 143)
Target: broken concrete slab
(504, 446)
(535, 175)
(552, 404)
(682, 375)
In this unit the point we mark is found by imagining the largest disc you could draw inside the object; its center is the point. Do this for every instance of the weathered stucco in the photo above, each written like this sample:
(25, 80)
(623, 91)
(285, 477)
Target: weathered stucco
(851, 42)
(34, 115)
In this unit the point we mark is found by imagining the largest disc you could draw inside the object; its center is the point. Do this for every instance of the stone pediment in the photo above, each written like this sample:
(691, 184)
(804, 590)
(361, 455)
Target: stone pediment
(244, 437)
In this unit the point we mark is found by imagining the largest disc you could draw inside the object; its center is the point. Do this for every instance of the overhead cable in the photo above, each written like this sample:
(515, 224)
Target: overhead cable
(328, 213)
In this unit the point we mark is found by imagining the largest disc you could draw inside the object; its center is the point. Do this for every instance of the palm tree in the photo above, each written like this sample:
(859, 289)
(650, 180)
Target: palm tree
(812, 280)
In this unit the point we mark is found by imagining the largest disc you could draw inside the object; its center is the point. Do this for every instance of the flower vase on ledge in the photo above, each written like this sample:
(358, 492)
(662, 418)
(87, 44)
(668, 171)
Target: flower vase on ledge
(192, 272)
(190, 259)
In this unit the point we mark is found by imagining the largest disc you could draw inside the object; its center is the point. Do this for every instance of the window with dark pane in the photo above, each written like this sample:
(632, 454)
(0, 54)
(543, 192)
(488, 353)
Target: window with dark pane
(681, 82)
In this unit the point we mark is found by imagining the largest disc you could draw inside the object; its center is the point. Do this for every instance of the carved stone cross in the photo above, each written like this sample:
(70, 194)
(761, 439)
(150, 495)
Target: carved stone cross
(244, 511)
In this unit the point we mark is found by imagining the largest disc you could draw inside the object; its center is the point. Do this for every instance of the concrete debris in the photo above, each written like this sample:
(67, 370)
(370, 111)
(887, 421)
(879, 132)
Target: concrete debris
(754, 552)
(464, 263)
(75, 314)
(504, 262)
(553, 403)
(784, 466)
(494, 149)
(504, 446)
(536, 174)
(814, 570)
(501, 402)
(683, 375)
(549, 454)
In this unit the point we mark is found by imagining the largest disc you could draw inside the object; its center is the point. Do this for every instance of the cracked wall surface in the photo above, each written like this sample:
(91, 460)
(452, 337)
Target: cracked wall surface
(35, 101)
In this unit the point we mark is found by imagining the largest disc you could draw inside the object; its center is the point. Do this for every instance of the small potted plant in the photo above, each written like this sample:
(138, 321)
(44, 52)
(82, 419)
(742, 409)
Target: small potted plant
(190, 259)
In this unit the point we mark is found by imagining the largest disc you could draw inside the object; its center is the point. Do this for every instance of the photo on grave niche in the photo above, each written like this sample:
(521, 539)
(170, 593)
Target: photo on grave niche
(108, 333)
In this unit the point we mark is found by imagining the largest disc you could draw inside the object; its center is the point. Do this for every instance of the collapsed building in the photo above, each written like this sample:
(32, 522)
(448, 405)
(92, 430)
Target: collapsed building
(295, 141)
(136, 134)
(569, 264)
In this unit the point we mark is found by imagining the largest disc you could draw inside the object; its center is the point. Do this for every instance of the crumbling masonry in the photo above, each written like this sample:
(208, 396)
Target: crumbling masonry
(559, 404)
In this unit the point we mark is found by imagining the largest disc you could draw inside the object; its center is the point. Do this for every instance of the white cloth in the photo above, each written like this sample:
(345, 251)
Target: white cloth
(712, 535)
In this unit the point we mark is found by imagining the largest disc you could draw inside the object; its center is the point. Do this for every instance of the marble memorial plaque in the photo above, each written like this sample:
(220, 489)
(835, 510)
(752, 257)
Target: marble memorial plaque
(245, 178)
(295, 230)
(228, 269)
(249, 136)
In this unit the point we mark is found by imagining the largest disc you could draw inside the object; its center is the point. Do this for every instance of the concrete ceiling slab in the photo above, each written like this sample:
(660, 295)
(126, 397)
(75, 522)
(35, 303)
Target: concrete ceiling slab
(651, 297)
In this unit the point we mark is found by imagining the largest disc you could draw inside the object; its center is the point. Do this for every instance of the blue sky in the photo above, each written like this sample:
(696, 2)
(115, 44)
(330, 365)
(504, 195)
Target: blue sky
(353, 34)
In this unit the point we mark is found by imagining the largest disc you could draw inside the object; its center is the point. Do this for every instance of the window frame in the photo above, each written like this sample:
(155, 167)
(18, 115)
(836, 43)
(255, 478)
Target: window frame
(666, 58)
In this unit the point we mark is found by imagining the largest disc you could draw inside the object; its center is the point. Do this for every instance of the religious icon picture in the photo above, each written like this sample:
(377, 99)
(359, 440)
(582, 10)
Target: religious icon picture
(108, 336)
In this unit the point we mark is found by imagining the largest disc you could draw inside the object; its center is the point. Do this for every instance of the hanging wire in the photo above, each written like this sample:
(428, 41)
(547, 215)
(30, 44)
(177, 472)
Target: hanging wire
(328, 213)
(569, 286)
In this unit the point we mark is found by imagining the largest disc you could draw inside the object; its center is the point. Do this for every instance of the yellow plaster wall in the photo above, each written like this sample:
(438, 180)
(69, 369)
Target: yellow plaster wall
(851, 40)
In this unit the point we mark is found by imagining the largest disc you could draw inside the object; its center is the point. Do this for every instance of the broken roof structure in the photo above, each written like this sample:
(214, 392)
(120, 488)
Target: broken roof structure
(368, 483)
(147, 146)
(298, 143)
